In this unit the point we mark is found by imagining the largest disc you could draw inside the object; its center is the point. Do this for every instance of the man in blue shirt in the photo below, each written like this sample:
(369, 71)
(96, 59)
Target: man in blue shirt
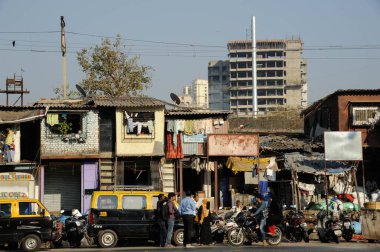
(187, 211)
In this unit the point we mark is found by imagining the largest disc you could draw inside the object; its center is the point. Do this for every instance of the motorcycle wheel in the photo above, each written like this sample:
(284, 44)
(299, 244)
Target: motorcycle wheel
(336, 239)
(276, 239)
(347, 237)
(322, 235)
(236, 236)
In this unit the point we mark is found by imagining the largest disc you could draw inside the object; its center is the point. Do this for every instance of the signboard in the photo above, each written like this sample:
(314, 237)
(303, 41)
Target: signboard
(198, 138)
(233, 145)
(16, 185)
(343, 146)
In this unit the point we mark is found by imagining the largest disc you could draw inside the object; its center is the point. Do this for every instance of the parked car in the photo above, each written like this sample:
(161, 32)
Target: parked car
(25, 223)
(126, 215)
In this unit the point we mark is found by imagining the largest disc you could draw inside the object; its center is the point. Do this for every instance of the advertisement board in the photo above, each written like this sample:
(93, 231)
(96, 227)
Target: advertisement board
(343, 146)
(16, 185)
(233, 145)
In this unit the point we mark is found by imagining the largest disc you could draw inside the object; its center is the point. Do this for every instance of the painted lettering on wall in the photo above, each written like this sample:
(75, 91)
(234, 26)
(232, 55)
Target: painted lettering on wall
(13, 195)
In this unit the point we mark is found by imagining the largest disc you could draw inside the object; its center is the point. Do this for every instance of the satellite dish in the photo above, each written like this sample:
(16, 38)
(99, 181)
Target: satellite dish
(80, 90)
(175, 98)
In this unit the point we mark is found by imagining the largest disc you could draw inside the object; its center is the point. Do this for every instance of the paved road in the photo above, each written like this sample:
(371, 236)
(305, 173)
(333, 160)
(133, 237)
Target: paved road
(283, 247)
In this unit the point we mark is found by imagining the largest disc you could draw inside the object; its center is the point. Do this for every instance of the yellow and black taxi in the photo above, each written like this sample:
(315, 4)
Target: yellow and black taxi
(126, 215)
(24, 222)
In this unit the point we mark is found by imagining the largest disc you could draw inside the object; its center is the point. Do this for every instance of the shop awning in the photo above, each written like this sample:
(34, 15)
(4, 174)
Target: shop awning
(314, 164)
(242, 164)
(10, 117)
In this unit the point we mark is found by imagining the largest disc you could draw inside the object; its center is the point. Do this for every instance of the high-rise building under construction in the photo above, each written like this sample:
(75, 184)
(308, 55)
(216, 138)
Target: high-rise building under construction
(281, 76)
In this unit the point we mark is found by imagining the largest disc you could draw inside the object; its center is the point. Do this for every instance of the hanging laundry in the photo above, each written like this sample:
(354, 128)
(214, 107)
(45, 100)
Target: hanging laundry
(52, 119)
(210, 166)
(170, 125)
(170, 151)
(271, 174)
(131, 124)
(189, 127)
(179, 150)
(208, 126)
(180, 125)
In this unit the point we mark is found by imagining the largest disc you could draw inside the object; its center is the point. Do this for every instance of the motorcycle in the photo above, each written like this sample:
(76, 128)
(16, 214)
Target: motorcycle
(295, 228)
(74, 228)
(347, 230)
(248, 231)
(330, 228)
(220, 228)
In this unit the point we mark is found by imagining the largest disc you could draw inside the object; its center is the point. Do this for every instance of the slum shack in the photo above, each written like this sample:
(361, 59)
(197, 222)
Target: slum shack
(313, 179)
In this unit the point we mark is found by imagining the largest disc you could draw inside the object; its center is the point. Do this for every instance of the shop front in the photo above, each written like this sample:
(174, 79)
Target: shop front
(68, 184)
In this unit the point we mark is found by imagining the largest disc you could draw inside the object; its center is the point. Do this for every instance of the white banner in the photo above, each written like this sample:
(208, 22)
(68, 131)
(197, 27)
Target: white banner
(343, 146)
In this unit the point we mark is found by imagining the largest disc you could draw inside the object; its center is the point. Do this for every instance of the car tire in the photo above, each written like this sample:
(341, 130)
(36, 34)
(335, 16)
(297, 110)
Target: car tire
(31, 243)
(107, 238)
(178, 237)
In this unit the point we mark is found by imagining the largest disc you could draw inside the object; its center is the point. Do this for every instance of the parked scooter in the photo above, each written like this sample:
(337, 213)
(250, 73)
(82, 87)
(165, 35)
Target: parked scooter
(347, 230)
(294, 227)
(220, 227)
(74, 228)
(330, 228)
(248, 231)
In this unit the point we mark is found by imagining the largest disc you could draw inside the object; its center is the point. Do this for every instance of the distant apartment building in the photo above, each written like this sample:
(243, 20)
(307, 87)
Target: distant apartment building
(218, 85)
(281, 76)
(200, 93)
(186, 98)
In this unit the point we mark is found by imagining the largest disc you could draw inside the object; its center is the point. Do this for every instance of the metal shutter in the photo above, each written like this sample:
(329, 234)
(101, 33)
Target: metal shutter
(62, 187)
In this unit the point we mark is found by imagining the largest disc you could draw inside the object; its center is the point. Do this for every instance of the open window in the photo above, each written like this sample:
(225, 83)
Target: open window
(139, 124)
(64, 123)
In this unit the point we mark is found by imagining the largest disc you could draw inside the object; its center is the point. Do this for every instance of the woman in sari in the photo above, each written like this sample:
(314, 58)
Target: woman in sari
(204, 217)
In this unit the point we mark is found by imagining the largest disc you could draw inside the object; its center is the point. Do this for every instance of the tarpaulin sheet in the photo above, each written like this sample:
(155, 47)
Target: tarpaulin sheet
(9, 117)
(241, 164)
(313, 164)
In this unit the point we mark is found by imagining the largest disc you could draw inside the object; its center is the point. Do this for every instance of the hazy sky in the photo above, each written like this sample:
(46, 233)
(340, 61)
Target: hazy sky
(178, 38)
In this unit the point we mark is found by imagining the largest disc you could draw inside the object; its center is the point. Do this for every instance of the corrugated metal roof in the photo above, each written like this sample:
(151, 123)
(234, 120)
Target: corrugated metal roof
(60, 103)
(127, 101)
(197, 112)
(90, 102)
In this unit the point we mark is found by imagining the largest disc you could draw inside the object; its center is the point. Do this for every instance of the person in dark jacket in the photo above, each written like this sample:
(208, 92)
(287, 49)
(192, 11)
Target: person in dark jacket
(261, 214)
(161, 222)
(171, 220)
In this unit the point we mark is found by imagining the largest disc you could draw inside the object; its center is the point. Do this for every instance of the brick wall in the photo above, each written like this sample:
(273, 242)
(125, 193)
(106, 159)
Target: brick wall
(53, 145)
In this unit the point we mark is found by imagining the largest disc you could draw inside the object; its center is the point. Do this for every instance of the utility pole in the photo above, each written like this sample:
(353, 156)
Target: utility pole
(254, 72)
(63, 49)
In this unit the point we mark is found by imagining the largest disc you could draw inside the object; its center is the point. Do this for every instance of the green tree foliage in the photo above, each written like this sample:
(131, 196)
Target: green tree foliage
(109, 71)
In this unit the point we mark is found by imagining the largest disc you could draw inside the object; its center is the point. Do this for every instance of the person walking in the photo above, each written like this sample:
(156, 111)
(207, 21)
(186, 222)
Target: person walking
(204, 217)
(171, 218)
(261, 214)
(160, 221)
(187, 211)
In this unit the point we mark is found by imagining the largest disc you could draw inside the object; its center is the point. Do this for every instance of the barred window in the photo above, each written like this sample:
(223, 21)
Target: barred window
(364, 115)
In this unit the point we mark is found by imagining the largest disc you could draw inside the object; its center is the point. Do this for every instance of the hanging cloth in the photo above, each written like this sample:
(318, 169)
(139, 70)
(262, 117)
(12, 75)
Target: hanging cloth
(52, 119)
(170, 152)
(189, 127)
(179, 151)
